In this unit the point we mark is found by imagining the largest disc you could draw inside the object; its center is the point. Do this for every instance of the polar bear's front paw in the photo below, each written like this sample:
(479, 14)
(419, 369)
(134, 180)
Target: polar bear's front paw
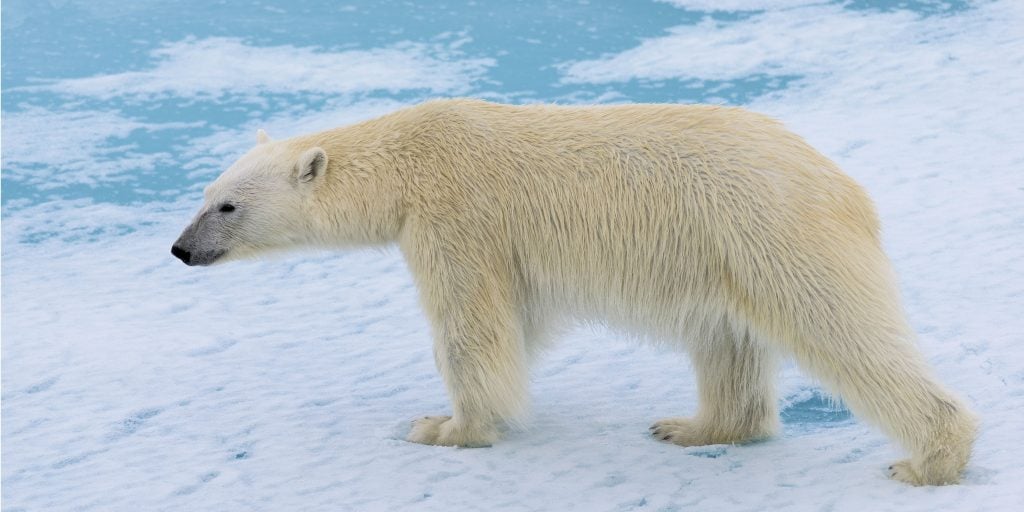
(938, 472)
(904, 472)
(681, 431)
(443, 431)
(696, 432)
(425, 430)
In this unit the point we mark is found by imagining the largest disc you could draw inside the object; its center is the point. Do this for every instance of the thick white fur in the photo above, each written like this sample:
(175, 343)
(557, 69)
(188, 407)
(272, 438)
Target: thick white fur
(711, 228)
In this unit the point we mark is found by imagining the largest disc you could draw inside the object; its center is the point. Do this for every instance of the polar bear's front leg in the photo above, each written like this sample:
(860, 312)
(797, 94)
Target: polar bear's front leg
(486, 380)
(479, 351)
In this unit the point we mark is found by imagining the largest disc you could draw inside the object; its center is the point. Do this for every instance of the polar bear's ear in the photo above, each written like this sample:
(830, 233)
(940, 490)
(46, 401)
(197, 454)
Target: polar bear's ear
(262, 137)
(312, 164)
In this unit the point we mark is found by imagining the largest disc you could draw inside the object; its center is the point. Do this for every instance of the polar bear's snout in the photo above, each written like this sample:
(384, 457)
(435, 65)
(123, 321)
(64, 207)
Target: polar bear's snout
(190, 256)
(181, 254)
(197, 245)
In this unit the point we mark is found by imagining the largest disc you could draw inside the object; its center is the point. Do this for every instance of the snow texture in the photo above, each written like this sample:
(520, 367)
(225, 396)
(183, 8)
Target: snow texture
(132, 382)
(85, 138)
(216, 66)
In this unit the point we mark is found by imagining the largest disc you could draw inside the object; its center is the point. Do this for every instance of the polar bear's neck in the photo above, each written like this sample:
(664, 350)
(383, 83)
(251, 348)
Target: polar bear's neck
(361, 200)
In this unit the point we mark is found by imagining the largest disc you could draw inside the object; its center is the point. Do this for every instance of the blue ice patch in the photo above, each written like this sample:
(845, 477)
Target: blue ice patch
(812, 409)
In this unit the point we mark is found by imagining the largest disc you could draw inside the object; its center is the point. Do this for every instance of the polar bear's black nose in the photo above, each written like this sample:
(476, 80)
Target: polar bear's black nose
(181, 254)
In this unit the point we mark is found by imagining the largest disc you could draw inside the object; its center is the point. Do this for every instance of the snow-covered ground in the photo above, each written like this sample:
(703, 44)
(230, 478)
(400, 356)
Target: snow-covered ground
(132, 382)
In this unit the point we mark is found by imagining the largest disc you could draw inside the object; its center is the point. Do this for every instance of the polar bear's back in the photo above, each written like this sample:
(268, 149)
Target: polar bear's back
(708, 161)
(635, 210)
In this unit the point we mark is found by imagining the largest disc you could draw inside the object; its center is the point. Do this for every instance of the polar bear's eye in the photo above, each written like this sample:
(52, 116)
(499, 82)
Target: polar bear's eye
(227, 207)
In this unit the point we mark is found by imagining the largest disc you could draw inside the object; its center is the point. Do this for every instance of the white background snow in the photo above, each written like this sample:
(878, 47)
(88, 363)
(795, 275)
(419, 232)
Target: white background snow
(133, 382)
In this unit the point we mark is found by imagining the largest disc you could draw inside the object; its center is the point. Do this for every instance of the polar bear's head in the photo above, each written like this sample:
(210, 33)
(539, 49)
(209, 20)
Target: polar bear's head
(261, 203)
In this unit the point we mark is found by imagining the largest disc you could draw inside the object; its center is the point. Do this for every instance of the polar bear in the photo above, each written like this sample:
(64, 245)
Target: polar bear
(711, 228)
